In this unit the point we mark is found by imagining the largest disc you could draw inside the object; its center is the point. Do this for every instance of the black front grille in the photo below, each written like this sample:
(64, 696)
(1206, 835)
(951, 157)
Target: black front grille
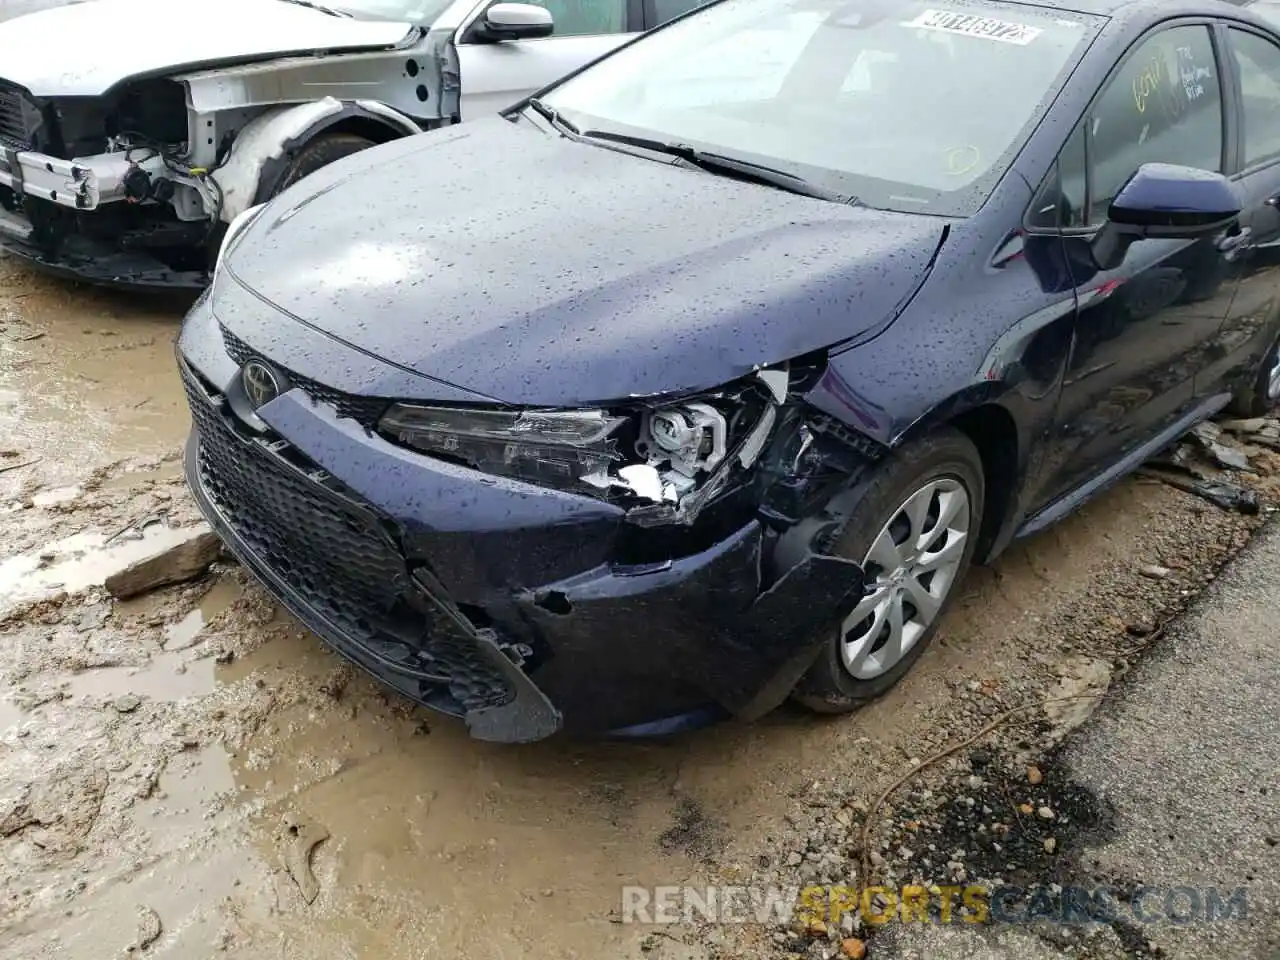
(18, 117)
(364, 410)
(333, 549)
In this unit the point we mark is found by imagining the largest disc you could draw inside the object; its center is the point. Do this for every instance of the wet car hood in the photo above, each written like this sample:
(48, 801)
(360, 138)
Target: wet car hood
(535, 270)
(85, 49)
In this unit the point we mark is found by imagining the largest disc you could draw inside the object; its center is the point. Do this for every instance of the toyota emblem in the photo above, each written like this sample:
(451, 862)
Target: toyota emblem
(261, 384)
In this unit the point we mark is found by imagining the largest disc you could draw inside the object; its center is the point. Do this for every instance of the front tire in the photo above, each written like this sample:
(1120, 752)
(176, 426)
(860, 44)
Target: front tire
(914, 531)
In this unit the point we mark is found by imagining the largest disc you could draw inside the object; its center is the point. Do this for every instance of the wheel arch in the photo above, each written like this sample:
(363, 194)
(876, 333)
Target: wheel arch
(993, 429)
(263, 149)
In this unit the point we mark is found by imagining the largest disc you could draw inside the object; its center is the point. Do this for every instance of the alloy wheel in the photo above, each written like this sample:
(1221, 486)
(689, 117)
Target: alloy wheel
(910, 569)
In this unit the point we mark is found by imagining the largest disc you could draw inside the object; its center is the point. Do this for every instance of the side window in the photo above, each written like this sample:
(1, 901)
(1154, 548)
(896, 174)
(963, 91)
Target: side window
(1061, 201)
(1164, 106)
(1073, 176)
(584, 18)
(1258, 63)
(664, 10)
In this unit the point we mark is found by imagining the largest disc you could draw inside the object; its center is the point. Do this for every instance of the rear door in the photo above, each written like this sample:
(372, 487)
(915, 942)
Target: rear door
(1251, 323)
(496, 75)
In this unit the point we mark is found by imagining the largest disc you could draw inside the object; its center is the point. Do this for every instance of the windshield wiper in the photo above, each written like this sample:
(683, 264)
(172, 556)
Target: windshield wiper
(552, 116)
(719, 163)
(321, 7)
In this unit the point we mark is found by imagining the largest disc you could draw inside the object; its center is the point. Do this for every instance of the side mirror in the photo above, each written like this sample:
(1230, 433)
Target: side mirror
(1165, 201)
(513, 21)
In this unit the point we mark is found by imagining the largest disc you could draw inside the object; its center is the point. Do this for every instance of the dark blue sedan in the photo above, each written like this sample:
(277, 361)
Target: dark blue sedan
(698, 380)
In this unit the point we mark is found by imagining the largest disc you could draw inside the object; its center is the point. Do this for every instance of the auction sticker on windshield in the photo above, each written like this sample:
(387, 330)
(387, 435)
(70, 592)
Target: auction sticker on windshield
(968, 25)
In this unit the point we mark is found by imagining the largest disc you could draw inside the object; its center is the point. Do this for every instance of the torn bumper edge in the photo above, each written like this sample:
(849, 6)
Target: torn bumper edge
(745, 647)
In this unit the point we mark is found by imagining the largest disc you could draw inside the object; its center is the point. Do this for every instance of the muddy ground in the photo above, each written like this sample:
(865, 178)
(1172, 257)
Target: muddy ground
(191, 774)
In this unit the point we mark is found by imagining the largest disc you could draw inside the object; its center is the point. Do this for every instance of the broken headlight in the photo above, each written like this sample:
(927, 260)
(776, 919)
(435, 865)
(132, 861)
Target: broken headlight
(553, 447)
(667, 459)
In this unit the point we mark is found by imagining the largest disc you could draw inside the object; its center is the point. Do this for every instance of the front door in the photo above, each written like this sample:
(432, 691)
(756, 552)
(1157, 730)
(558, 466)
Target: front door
(496, 75)
(1141, 328)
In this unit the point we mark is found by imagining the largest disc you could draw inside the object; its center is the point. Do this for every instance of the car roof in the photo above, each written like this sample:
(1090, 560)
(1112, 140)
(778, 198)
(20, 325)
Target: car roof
(1255, 4)
(1098, 7)
(1108, 8)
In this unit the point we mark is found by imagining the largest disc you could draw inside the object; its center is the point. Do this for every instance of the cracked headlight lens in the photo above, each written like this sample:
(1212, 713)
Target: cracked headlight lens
(665, 458)
(553, 448)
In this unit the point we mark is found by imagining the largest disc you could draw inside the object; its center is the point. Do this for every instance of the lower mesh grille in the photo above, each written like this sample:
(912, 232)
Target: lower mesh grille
(334, 550)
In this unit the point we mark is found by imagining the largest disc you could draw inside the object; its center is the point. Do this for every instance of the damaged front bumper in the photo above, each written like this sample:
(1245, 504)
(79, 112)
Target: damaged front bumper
(61, 191)
(491, 600)
(80, 184)
(98, 263)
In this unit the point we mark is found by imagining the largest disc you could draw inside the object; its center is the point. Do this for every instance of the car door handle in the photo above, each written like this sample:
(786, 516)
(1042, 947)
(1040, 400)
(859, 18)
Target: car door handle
(1235, 243)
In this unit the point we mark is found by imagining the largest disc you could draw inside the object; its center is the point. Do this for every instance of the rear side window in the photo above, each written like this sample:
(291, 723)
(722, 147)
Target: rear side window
(664, 10)
(1258, 64)
(584, 18)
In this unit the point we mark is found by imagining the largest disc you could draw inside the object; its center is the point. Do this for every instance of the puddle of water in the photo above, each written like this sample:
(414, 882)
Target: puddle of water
(87, 352)
(166, 677)
(136, 472)
(187, 794)
(196, 777)
(79, 561)
(47, 498)
(190, 890)
(220, 597)
(10, 715)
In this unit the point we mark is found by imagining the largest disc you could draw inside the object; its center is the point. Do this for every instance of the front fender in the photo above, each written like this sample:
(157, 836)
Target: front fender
(267, 143)
(1005, 397)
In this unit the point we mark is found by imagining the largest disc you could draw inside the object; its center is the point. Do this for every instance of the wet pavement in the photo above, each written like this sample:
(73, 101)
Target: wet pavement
(192, 774)
(1188, 826)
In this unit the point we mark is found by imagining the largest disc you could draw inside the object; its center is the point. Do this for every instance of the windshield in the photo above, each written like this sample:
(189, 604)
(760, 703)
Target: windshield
(915, 106)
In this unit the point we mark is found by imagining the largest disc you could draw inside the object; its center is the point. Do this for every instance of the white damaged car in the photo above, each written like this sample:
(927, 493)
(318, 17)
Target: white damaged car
(128, 141)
